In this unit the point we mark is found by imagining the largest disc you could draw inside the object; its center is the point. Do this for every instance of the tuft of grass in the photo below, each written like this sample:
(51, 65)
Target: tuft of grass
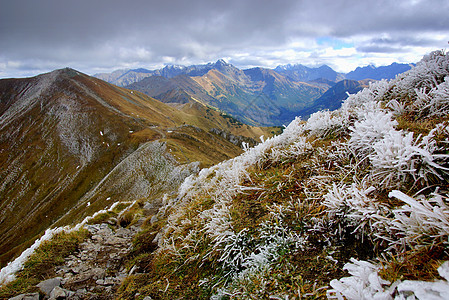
(41, 264)
(131, 214)
(414, 265)
(101, 218)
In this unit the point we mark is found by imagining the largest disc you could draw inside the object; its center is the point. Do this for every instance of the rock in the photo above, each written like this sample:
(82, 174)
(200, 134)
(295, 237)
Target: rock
(99, 238)
(62, 269)
(123, 232)
(133, 269)
(48, 285)
(109, 281)
(114, 241)
(148, 206)
(120, 278)
(31, 296)
(147, 298)
(58, 293)
(92, 228)
(154, 219)
(81, 291)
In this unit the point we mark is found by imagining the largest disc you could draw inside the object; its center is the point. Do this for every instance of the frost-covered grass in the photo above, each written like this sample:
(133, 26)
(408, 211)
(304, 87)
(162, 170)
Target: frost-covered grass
(350, 204)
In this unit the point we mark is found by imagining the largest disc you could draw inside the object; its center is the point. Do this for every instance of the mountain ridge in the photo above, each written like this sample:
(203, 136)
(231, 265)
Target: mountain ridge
(63, 133)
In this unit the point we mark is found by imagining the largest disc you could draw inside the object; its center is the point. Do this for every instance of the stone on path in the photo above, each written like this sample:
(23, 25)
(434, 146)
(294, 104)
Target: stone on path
(48, 285)
(31, 296)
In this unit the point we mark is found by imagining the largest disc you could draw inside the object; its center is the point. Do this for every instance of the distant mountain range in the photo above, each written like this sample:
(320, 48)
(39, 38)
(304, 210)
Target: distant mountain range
(256, 96)
(333, 97)
(378, 73)
(296, 72)
(299, 72)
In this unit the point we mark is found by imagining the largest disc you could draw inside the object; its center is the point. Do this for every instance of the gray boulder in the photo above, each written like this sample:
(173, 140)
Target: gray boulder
(32, 296)
(48, 285)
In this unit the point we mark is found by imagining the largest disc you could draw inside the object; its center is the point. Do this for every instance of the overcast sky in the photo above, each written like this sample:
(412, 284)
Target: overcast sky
(94, 36)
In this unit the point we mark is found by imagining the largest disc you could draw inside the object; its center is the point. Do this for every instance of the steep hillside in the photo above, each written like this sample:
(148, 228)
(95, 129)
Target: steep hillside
(334, 96)
(71, 145)
(352, 204)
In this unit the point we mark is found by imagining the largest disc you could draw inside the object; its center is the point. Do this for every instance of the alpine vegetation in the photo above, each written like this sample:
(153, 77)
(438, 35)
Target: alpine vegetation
(351, 204)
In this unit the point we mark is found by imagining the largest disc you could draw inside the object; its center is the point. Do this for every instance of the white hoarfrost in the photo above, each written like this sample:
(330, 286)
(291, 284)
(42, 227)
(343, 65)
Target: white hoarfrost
(378, 155)
(366, 284)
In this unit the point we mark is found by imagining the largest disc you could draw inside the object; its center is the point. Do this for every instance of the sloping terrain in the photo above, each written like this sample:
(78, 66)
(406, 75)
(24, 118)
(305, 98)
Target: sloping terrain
(333, 98)
(71, 145)
(352, 204)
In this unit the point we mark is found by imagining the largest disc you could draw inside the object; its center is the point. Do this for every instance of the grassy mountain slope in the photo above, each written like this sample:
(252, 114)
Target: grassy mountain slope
(72, 144)
(350, 204)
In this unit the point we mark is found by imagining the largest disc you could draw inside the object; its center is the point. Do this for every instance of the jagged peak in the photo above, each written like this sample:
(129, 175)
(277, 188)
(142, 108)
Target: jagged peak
(222, 62)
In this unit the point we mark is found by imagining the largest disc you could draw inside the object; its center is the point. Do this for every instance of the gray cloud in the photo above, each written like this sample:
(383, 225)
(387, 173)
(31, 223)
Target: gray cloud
(100, 35)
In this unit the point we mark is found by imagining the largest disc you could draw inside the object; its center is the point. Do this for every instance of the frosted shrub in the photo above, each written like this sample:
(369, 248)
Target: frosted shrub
(426, 76)
(372, 127)
(353, 205)
(236, 250)
(245, 256)
(434, 103)
(398, 156)
(367, 100)
(296, 149)
(437, 290)
(218, 222)
(419, 222)
(429, 72)
(324, 123)
(363, 284)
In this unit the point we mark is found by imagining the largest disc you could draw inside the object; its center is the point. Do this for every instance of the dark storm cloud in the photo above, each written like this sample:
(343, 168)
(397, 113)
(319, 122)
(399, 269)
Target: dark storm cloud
(106, 34)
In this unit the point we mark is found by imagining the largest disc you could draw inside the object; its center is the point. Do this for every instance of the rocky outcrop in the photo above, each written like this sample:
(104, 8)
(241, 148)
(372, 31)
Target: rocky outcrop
(96, 270)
